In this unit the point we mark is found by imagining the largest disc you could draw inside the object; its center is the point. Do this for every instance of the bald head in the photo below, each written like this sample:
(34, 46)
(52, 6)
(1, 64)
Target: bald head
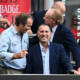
(60, 5)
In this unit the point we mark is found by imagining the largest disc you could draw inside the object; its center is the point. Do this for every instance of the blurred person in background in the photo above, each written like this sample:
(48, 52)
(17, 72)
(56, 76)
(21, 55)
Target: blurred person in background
(29, 24)
(4, 24)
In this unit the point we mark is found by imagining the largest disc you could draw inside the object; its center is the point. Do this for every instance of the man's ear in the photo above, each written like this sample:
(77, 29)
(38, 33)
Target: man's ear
(37, 34)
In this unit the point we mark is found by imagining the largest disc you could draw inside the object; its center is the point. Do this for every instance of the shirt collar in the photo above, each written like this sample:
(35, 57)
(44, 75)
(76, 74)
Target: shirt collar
(14, 30)
(42, 48)
(54, 28)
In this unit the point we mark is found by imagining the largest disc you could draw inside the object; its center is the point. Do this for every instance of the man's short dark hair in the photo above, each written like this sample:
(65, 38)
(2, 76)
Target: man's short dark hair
(44, 25)
(22, 18)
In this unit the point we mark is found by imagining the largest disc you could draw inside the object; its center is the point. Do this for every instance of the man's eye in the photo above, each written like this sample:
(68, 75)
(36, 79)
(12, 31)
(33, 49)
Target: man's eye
(46, 31)
(41, 31)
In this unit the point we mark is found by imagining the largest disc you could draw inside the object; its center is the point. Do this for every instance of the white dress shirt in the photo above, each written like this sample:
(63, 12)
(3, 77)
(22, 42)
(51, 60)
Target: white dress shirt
(53, 32)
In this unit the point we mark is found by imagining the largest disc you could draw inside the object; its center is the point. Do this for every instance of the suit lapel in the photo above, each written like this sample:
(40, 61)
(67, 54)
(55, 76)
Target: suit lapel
(39, 56)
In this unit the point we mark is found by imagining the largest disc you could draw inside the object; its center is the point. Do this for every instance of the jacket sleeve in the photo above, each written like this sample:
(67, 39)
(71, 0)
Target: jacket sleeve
(65, 60)
(72, 45)
(28, 69)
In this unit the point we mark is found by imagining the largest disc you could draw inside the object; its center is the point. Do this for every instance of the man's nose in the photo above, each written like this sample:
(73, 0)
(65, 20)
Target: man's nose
(44, 33)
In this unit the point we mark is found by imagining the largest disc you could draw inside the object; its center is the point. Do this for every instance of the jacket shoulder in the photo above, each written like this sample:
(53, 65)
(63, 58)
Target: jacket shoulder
(57, 45)
(64, 28)
(34, 47)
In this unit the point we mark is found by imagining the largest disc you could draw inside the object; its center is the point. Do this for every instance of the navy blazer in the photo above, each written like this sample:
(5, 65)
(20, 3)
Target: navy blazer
(65, 37)
(38, 20)
(57, 59)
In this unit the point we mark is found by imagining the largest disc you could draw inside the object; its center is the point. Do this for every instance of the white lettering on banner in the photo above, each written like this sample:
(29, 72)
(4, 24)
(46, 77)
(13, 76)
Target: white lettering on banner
(8, 1)
(9, 9)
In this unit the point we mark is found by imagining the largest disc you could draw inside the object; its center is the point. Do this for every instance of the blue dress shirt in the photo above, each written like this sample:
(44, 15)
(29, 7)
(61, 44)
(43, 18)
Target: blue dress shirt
(45, 59)
(11, 43)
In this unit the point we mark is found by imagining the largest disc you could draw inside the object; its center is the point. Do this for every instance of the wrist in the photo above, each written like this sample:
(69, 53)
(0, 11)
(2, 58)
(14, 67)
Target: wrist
(15, 56)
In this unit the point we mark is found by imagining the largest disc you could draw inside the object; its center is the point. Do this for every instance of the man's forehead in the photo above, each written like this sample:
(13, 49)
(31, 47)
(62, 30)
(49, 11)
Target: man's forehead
(43, 28)
(49, 12)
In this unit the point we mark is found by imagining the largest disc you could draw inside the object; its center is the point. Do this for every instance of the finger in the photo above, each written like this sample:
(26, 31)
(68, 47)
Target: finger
(24, 50)
(24, 53)
(76, 72)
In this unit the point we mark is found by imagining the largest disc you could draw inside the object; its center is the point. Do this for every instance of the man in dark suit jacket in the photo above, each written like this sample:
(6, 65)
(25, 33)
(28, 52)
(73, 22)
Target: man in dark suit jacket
(45, 57)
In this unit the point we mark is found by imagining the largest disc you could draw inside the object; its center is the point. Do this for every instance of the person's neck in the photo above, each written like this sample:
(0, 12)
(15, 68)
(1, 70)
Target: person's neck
(45, 46)
(18, 30)
(52, 26)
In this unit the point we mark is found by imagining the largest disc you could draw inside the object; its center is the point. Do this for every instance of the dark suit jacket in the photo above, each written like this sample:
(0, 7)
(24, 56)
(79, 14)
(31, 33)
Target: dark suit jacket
(65, 37)
(57, 58)
(38, 20)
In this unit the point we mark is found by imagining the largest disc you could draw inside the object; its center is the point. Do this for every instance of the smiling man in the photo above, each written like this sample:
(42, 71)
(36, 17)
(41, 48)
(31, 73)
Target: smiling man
(46, 57)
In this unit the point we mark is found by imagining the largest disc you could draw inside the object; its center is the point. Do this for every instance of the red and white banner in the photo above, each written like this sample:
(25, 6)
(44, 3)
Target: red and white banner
(10, 8)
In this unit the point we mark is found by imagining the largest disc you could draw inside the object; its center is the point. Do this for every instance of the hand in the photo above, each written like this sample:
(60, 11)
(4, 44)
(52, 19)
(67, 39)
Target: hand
(28, 28)
(21, 54)
(75, 72)
(78, 70)
(29, 32)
